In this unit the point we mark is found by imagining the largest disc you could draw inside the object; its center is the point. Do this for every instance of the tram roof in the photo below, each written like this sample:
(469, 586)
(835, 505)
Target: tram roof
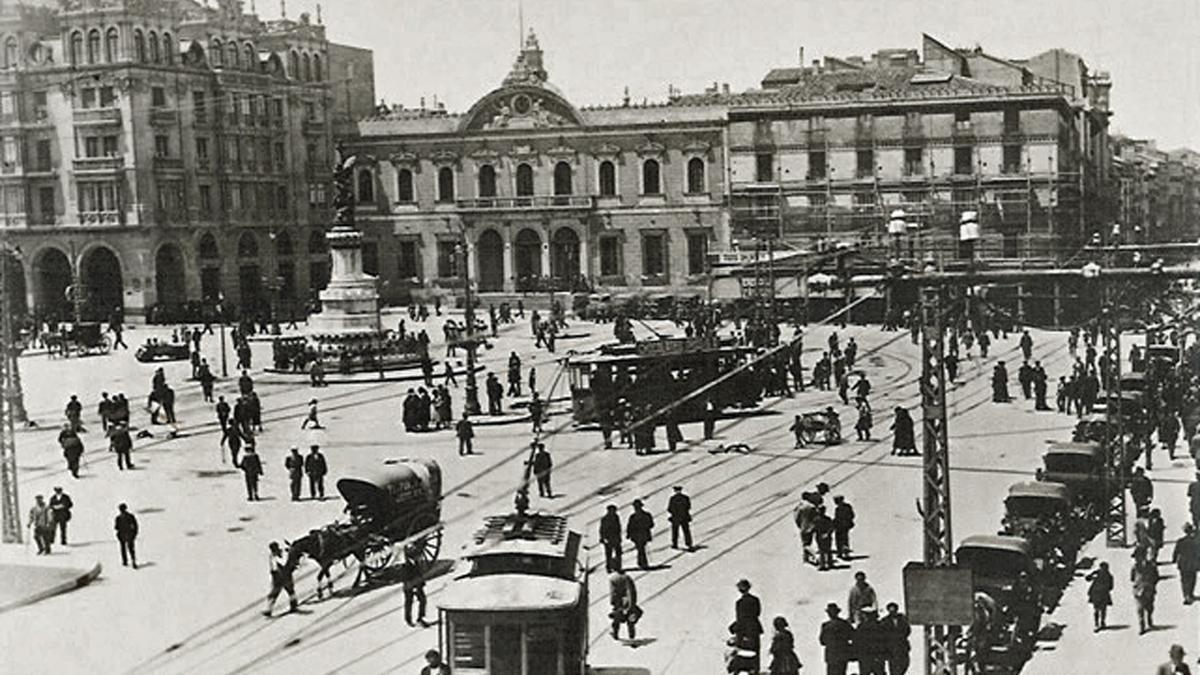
(537, 534)
(1040, 489)
(634, 357)
(511, 592)
(998, 542)
(1073, 448)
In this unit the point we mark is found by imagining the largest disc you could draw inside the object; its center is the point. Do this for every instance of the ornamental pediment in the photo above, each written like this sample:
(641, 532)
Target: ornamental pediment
(697, 147)
(485, 155)
(523, 153)
(563, 152)
(651, 149)
(521, 106)
(444, 157)
(404, 158)
(607, 151)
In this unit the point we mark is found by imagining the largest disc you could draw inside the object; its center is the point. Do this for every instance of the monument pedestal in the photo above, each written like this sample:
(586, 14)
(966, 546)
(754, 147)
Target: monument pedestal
(350, 303)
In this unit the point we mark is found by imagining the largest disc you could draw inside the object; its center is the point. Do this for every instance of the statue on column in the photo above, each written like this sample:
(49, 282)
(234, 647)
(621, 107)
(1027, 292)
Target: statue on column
(345, 171)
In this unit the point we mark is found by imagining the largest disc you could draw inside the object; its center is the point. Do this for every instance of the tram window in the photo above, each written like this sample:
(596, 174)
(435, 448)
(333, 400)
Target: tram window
(469, 646)
(505, 643)
(543, 647)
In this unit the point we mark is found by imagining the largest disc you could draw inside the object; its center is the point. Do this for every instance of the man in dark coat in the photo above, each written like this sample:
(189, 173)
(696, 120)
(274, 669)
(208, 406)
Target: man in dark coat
(823, 527)
(60, 509)
(294, 464)
(495, 391)
(843, 522)
(1186, 557)
(836, 637)
(747, 625)
(1025, 378)
(316, 468)
(1039, 387)
(252, 468)
(223, 411)
(542, 463)
(120, 442)
(126, 527)
(1141, 490)
(870, 643)
(72, 447)
(1000, 384)
(610, 537)
(1027, 345)
(897, 630)
(466, 433)
(639, 530)
(679, 506)
(514, 374)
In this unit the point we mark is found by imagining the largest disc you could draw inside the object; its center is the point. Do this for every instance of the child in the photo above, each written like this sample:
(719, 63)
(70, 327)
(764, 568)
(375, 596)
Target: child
(797, 429)
(863, 425)
(312, 416)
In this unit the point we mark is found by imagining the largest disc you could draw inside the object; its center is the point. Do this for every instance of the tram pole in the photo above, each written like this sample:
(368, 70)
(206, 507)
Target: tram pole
(10, 530)
(471, 405)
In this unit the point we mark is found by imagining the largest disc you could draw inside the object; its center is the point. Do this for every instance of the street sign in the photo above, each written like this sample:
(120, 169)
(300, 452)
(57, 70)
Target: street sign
(939, 596)
(672, 346)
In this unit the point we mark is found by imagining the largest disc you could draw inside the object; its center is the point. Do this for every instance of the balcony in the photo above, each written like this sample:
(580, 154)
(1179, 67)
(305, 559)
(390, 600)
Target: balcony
(100, 217)
(963, 129)
(162, 116)
(553, 202)
(168, 164)
(12, 220)
(313, 125)
(98, 164)
(12, 169)
(97, 116)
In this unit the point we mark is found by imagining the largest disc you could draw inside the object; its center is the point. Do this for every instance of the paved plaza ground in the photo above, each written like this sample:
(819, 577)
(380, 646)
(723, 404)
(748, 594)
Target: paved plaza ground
(194, 605)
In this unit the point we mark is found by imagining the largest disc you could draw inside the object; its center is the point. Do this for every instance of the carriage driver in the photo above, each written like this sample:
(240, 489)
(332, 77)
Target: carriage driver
(281, 578)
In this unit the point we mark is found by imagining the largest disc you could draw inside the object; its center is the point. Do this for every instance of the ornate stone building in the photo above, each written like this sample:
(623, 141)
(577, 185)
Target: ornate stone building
(545, 195)
(157, 152)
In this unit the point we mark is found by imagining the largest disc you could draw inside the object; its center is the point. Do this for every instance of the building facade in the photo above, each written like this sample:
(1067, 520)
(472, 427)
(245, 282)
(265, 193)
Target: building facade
(544, 195)
(1158, 191)
(842, 144)
(156, 153)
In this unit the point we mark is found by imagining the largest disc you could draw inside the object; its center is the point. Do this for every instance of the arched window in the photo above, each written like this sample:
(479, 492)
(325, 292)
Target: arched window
(208, 248)
(215, 54)
(404, 186)
(318, 72)
(608, 179)
(111, 40)
(139, 46)
(487, 181)
(155, 51)
(695, 175)
(651, 185)
(307, 68)
(233, 57)
(76, 48)
(524, 180)
(366, 187)
(168, 49)
(247, 245)
(294, 65)
(93, 46)
(445, 184)
(251, 57)
(11, 51)
(562, 179)
(283, 245)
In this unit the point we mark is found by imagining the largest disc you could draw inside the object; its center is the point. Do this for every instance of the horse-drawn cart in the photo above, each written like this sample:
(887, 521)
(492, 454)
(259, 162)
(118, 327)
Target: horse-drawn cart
(395, 517)
(81, 338)
(823, 424)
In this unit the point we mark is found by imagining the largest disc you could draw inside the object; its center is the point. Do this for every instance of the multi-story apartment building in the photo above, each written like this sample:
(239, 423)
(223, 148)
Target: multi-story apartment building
(160, 152)
(1158, 191)
(544, 194)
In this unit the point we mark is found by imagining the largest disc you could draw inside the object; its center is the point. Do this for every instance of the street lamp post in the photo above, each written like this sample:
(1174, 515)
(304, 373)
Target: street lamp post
(10, 532)
(221, 318)
(471, 406)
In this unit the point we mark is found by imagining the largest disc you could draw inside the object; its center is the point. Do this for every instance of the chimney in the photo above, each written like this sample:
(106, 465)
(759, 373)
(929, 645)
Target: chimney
(801, 56)
(422, 103)
(725, 88)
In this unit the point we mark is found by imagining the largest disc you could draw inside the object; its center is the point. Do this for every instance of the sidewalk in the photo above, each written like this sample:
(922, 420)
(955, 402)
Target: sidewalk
(26, 578)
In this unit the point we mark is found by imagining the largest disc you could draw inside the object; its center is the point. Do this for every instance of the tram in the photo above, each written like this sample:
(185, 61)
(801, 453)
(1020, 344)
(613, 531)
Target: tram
(521, 606)
(657, 371)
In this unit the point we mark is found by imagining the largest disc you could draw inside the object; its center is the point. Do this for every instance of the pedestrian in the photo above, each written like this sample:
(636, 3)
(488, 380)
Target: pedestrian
(862, 426)
(120, 442)
(465, 433)
(541, 469)
(74, 414)
(104, 407)
(233, 438)
(223, 411)
(207, 379)
(805, 517)
(897, 630)
(126, 527)
(823, 530)
(870, 643)
(514, 374)
(836, 636)
(414, 590)
(72, 448)
(1156, 530)
(1186, 557)
(1026, 344)
(862, 597)
(495, 391)
(952, 366)
(1025, 379)
(434, 665)
(115, 325)
(639, 530)
(783, 650)
(252, 469)
(281, 578)
(294, 464)
(1000, 384)
(536, 411)
(747, 627)
(843, 522)
(1141, 490)
(1100, 596)
(316, 468)
(532, 380)
(610, 538)
(622, 597)
(679, 507)
(448, 375)
(1175, 666)
(1144, 576)
(41, 521)
(862, 389)
(904, 441)
(60, 508)
(312, 417)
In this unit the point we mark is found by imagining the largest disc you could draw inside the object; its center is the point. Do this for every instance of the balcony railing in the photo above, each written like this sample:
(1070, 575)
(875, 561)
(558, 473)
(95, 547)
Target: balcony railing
(100, 217)
(97, 116)
(98, 164)
(313, 125)
(13, 220)
(168, 163)
(162, 116)
(524, 203)
(11, 169)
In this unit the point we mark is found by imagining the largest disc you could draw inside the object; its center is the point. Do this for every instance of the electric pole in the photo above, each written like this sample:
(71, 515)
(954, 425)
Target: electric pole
(10, 533)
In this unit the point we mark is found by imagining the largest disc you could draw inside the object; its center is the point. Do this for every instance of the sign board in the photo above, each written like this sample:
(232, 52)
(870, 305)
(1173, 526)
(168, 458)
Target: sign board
(672, 346)
(939, 596)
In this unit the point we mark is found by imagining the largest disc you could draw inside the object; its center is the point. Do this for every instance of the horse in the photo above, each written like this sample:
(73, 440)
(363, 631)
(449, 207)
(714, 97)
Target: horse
(325, 546)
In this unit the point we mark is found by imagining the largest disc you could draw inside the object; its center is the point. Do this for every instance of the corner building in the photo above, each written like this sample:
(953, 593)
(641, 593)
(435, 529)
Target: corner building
(161, 152)
(544, 195)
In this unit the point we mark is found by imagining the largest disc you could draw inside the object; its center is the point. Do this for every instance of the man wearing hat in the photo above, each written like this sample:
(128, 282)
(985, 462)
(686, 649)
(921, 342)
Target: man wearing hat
(746, 626)
(1175, 666)
(294, 464)
(639, 530)
(610, 536)
(60, 508)
(835, 637)
(312, 417)
(1186, 557)
(679, 506)
(316, 468)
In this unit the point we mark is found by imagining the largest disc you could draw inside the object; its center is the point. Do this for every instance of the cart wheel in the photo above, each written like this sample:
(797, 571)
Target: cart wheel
(378, 556)
(423, 551)
(809, 436)
(105, 344)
